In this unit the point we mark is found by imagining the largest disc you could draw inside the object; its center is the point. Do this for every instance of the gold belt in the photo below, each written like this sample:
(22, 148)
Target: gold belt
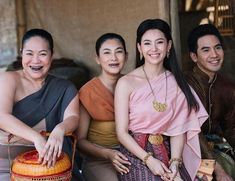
(155, 139)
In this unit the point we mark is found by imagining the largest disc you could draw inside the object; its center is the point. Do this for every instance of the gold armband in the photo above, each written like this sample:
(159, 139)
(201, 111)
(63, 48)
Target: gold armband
(179, 161)
(146, 157)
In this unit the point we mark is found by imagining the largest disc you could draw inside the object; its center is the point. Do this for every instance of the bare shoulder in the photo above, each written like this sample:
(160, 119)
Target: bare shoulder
(9, 79)
(8, 84)
(131, 80)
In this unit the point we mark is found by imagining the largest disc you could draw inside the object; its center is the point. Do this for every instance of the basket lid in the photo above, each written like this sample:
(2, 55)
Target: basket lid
(27, 164)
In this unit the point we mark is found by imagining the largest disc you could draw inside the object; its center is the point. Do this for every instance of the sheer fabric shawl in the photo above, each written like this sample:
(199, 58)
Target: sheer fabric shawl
(174, 121)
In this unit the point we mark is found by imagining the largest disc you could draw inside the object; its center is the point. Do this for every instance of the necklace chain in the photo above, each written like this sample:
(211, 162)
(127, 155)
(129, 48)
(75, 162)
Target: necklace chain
(158, 106)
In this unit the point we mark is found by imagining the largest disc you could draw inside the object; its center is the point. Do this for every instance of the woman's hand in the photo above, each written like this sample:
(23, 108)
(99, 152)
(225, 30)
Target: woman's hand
(53, 147)
(39, 143)
(174, 175)
(119, 161)
(158, 168)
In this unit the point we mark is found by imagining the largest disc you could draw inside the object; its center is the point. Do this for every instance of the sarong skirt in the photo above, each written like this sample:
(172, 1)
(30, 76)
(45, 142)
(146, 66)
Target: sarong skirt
(161, 151)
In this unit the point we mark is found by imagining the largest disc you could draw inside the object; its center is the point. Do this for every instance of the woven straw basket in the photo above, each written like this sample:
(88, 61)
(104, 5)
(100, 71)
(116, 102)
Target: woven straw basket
(25, 167)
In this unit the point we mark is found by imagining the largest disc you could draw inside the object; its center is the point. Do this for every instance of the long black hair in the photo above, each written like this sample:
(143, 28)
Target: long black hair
(170, 63)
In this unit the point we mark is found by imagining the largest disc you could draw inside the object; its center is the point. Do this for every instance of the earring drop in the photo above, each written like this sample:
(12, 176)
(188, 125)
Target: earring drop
(141, 56)
(167, 54)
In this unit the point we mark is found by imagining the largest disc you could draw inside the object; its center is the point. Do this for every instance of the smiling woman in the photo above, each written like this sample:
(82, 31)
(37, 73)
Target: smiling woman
(158, 116)
(36, 58)
(96, 131)
(33, 101)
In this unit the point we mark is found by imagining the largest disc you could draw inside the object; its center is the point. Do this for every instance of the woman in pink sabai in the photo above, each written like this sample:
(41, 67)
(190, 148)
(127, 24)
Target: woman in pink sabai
(158, 116)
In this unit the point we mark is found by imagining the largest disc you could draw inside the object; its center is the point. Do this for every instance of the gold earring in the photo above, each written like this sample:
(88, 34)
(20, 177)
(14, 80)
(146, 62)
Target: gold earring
(167, 54)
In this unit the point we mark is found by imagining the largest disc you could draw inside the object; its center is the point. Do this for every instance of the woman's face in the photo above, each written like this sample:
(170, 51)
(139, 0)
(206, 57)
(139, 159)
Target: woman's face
(36, 57)
(154, 46)
(112, 56)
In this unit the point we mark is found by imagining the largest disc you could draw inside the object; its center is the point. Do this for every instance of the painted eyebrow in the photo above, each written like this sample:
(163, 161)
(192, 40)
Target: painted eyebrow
(107, 49)
(155, 40)
(43, 51)
(119, 48)
(29, 50)
(39, 51)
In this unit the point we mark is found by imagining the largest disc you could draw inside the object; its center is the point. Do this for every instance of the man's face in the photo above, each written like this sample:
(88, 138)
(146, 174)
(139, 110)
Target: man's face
(210, 55)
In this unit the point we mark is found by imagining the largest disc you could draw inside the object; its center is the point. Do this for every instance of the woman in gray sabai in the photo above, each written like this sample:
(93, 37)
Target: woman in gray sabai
(31, 101)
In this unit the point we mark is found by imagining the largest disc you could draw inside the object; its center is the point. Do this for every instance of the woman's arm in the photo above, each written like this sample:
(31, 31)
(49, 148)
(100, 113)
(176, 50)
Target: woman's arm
(122, 93)
(71, 117)
(94, 150)
(177, 145)
(10, 123)
(83, 144)
(53, 147)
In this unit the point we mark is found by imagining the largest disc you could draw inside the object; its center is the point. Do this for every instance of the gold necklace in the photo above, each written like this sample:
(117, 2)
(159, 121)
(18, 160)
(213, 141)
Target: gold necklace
(158, 106)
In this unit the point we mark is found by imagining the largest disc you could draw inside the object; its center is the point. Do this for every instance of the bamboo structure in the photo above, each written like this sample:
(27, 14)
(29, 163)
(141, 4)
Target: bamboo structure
(168, 10)
(174, 21)
(224, 17)
(21, 22)
(164, 9)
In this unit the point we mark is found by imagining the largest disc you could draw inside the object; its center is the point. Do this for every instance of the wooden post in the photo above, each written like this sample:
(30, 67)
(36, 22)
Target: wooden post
(168, 10)
(163, 10)
(175, 28)
(21, 22)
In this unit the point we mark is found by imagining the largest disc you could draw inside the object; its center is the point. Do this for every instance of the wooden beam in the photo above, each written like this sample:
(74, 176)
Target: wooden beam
(21, 22)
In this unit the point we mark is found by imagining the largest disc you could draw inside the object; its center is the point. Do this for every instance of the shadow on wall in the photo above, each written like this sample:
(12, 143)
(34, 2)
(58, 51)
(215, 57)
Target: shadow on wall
(64, 68)
(188, 20)
(229, 57)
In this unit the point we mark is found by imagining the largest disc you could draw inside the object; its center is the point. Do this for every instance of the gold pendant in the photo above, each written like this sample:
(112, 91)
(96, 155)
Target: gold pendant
(155, 139)
(159, 107)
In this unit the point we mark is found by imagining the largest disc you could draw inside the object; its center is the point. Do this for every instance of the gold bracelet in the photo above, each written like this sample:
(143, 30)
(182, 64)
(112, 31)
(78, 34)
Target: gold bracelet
(178, 160)
(146, 157)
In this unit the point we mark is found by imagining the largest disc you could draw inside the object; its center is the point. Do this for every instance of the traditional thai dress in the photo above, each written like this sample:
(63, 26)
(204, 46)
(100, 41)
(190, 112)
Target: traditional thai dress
(152, 129)
(42, 110)
(99, 103)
